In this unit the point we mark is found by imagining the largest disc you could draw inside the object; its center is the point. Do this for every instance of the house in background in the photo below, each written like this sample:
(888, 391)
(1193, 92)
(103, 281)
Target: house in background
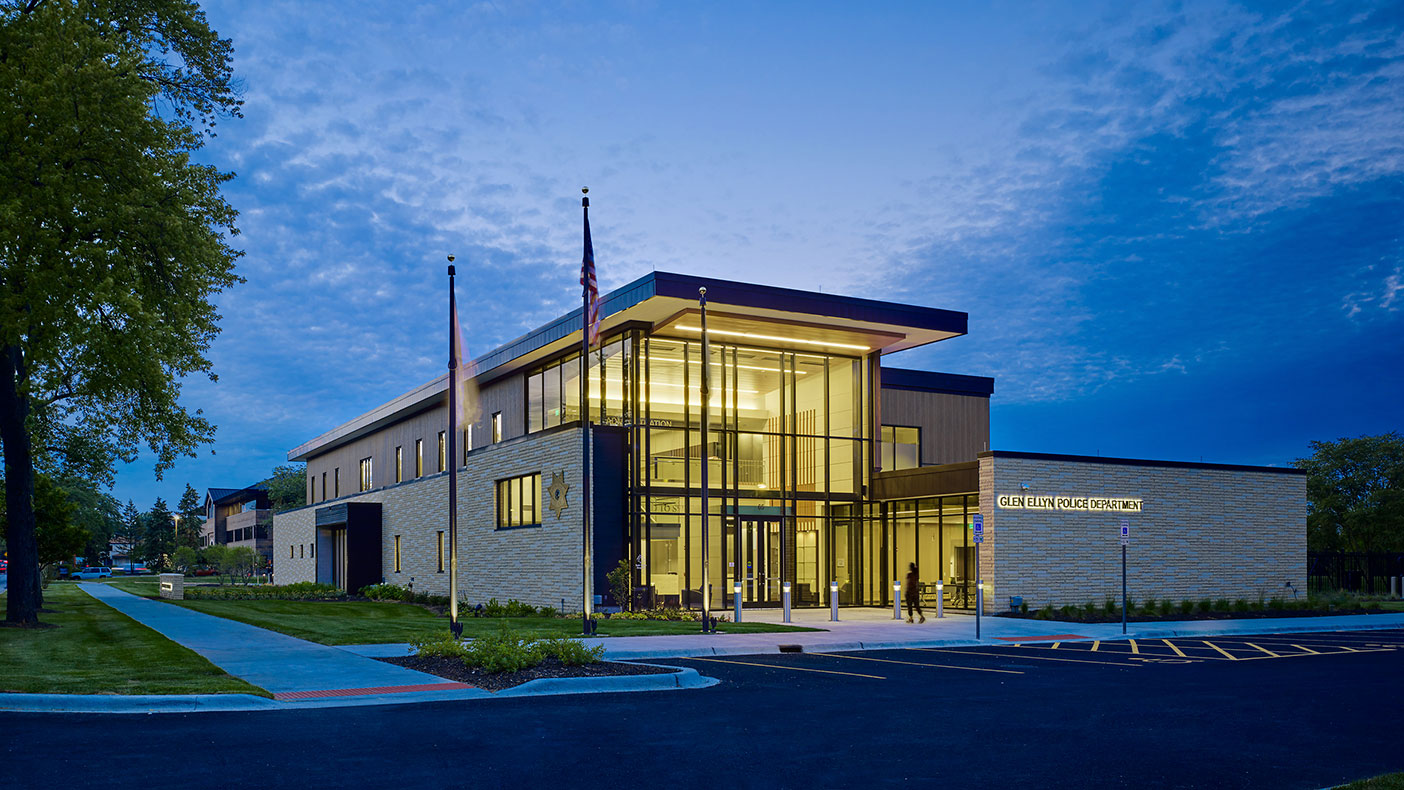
(239, 517)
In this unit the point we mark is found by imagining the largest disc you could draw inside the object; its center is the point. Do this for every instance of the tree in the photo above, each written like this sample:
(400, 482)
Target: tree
(158, 542)
(216, 557)
(287, 488)
(1355, 494)
(192, 518)
(113, 241)
(59, 536)
(96, 512)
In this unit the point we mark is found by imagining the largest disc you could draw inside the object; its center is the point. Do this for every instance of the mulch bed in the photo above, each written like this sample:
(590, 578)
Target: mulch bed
(1101, 617)
(454, 669)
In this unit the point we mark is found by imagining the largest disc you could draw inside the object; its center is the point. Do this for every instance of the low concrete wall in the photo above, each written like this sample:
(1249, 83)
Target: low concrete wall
(172, 585)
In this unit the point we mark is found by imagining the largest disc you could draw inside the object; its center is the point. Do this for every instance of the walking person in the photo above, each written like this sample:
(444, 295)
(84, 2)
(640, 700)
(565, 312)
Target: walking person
(914, 594)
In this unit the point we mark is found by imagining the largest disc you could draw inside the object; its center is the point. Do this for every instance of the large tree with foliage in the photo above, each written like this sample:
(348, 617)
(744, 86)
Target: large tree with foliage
(1355, 494)
(158, 542)
(287, 488)
(192, 518)
(112, 240)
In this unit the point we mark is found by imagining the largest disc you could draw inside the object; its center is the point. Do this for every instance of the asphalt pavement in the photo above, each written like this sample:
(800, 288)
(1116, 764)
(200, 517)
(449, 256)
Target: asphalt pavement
(1240, 711)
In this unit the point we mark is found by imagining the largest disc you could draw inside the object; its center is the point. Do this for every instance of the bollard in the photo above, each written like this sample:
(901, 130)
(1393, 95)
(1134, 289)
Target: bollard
(979, 604)
(833, 602)
(897, 600)
(736, 596)
(940, 598)
(785, 599)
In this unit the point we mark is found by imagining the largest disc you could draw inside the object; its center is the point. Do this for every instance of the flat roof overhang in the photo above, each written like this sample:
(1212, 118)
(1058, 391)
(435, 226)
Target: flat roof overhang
(740, 313)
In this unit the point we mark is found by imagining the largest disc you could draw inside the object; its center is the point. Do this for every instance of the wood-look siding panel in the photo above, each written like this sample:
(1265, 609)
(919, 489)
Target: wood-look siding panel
(954, 428)
(504, 395)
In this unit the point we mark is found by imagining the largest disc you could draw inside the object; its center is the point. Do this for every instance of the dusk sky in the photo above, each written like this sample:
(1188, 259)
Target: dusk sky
(1178, 230)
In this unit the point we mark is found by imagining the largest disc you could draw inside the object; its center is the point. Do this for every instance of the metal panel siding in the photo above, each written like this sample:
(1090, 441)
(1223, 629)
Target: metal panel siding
(954, 428)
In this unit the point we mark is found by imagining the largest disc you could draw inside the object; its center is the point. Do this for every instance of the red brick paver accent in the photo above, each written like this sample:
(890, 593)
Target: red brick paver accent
(292, 695)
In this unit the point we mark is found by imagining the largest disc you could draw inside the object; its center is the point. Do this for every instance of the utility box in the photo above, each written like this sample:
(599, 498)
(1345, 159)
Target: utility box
(173, 586)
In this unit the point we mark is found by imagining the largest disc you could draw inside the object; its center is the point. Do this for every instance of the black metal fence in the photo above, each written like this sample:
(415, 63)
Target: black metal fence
(1354, 571)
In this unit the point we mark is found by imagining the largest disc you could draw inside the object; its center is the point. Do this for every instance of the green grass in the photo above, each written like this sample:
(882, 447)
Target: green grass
(1386, 782)
(1392, 606)
(97, 650)
(369, 622)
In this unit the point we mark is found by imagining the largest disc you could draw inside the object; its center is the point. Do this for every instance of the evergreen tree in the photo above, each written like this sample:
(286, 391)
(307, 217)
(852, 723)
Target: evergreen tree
(192, 517)
(158, 541)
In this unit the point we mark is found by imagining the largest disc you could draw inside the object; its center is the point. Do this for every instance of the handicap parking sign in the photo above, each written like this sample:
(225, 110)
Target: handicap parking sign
(979, 526)
(1125, 533)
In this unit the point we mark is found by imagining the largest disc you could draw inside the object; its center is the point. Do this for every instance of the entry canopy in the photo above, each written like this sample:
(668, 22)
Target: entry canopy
(666, 303)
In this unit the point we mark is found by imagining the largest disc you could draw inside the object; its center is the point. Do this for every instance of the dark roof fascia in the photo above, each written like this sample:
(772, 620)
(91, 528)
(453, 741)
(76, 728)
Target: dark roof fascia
(932, 381)
(1097, 459)
(684, 286)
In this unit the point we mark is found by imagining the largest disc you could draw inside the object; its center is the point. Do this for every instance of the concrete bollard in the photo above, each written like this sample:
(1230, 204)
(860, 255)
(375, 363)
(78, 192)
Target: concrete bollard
(833, 602)
(940, 599)
(897, 600)
(785, 599)
(736, 596)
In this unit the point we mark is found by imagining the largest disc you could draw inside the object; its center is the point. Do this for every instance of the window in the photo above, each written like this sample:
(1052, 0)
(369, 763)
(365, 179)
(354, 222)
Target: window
(324, 486)
(301, 551)
(336, 482)
(553, 395)
(443, 451)
(442, 543)
(467, 442)
(365, 474)
(496, 427)
(519, 501)
(312, 550)
(418, 457)
(290, 551)
(399, 464)
(900, 447)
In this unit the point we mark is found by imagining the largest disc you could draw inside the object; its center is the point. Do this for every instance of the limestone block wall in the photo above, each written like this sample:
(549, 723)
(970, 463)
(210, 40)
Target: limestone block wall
(1204, 531)
(539, 565)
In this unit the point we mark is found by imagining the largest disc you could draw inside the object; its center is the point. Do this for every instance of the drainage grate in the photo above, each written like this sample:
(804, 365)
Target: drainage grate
(791, 648)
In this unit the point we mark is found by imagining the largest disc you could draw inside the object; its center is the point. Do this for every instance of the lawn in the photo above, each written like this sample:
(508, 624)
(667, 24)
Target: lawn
(369, 622)
(97, 650)
(1386, 782)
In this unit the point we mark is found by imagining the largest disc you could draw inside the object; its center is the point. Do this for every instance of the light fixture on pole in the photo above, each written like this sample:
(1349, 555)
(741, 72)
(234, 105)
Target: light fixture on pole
(455, 626)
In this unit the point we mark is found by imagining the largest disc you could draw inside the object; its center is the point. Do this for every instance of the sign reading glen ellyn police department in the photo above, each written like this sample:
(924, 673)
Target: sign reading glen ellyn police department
(1084, 503)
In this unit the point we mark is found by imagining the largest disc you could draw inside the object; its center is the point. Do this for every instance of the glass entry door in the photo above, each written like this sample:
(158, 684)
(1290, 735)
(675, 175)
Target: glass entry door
(758, 565)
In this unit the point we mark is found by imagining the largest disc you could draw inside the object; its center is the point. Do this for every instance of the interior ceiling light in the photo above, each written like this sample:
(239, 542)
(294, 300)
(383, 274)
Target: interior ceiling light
(698, 363)
(755, 336)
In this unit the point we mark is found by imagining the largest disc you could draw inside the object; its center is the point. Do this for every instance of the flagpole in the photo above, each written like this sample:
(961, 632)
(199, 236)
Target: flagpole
(454, 626)
(706, 418)
(585, 426)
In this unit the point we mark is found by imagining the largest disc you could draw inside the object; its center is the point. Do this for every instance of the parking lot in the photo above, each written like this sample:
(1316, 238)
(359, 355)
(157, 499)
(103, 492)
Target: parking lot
(1027, 656)
(1261, 711)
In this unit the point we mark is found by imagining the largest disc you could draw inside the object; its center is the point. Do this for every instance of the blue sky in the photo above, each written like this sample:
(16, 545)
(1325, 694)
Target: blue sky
(1178, 229)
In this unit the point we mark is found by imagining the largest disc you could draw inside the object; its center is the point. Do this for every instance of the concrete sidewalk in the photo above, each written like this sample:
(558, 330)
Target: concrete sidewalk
(292, 669)
(874, 629)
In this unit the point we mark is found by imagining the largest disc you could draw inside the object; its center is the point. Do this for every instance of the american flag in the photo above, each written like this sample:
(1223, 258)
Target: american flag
(468, 404)
(592, 288)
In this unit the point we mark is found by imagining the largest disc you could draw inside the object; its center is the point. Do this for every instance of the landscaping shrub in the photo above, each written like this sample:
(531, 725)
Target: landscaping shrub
(1111, 606)
(662, 613)
(1167, 607)
(1149, 606)
(514, 608)
(1046, 613)
(1205, 605)
(1240, 605)
(301, 591)
(1276, 604)
(1090, 608)
(1221, 605)
(387, 592)
(1024, 607)
(1186, 606)
(571, 652)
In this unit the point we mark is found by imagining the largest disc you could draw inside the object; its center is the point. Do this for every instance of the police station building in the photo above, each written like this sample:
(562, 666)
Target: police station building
(825, 464)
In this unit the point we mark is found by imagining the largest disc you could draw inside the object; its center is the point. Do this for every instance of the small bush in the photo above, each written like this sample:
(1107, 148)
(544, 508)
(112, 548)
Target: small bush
(387, 592)
(1205, 605)
(301, 591)
(1240, 605)
(1111, 606)
(1257, 605)
(1221, 605)
(1024, 607)
(441, 646)
(515, 608)
(1167, 607)
(1089, 608)
(1186, 606)
(571, 652)
(1149, 606)
(1046, 613)
(1276, 604)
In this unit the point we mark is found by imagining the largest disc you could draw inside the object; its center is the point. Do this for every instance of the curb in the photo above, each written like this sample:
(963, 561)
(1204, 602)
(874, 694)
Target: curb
(687, 678)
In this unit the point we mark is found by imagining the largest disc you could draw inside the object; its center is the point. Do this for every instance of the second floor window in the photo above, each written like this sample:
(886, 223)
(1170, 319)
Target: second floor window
(443, 451)
(418, 457)
(366, 480)
(399, 464)
(496, 427)
(336, 481)
(900, 448)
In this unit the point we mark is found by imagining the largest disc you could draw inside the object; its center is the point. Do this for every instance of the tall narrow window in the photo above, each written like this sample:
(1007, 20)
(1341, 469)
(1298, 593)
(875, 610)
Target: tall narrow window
(519, 501)
(467, 442)
(311, 489)
(418, 457)
(324, 486)
(443, 451)
(496, 427)
(336, 481)
(397, 553)
(442, 543)
(366, 480)
(399, 464)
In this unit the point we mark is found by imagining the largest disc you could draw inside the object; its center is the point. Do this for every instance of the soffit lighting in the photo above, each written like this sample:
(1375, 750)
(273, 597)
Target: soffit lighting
(754, 336)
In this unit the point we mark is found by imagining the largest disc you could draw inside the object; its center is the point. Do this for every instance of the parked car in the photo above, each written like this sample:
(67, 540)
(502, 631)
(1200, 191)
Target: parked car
(92, 572)
(206, 572)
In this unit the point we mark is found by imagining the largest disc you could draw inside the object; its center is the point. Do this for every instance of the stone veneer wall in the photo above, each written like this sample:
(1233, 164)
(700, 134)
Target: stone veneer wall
(535, 565)
(1202, 533)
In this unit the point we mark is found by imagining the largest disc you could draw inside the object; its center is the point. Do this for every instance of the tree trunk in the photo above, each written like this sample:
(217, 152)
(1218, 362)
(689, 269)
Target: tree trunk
(24, 595)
